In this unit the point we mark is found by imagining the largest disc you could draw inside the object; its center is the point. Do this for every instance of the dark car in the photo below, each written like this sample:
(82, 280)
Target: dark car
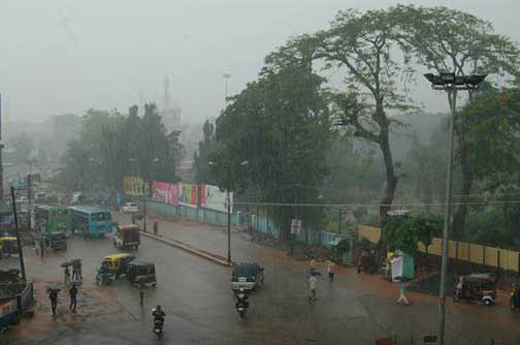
(56, 241)
(247, 276)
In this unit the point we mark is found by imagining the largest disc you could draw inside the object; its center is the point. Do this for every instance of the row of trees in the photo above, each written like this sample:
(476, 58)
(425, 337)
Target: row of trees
(113, 145)
(285, 123)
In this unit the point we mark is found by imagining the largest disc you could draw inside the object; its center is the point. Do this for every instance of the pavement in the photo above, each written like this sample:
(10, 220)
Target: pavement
(195, 292)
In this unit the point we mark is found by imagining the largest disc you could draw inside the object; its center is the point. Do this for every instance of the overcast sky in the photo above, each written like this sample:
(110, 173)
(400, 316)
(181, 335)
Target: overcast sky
(65, 56)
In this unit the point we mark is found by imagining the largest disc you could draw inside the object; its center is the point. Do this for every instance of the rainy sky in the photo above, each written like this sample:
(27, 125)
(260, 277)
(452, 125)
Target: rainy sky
(65, 56)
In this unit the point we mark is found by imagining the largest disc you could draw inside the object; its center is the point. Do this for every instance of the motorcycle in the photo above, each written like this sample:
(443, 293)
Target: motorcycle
(158, 327)
(104, 279)
(241, 310)
(242, 304)
(158, 322)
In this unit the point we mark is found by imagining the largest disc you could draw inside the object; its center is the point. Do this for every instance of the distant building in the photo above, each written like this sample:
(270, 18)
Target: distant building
(171, 115)
(172, 119)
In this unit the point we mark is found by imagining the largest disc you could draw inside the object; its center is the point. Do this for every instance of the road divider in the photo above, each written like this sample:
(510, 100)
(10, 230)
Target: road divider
(187, 248)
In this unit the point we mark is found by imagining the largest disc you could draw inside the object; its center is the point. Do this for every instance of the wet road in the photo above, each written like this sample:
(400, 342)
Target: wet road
(196, 295)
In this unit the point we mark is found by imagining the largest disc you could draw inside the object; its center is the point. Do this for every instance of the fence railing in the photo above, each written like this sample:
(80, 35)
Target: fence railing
(474, 253)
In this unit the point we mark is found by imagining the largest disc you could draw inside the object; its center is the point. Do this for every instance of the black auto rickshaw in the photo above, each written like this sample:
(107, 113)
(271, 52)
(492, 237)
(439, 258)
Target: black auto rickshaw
(515, 296)
(141, 273)
(55, 241)
(10, 276)
(476, 287)
(367, 262)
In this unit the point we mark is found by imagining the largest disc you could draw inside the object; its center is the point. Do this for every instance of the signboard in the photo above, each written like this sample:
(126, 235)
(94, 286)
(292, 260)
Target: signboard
(165, 193)
(136, 186)
(213, 198)
(187, 194)
(296, 226)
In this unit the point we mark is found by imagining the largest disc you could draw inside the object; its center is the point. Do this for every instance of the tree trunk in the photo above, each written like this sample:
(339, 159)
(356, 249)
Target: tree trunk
(391, 179)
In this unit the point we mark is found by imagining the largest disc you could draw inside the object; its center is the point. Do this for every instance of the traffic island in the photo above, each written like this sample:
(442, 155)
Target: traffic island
(200, 253)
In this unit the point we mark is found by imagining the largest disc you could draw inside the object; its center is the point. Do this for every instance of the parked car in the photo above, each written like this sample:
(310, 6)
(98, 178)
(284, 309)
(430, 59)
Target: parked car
(247, 276)
(130, 207)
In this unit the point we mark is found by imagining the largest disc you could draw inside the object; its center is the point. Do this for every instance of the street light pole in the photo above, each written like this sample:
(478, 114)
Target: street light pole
(451, 83)
(228, 229)
(226, 78)
(447, 217)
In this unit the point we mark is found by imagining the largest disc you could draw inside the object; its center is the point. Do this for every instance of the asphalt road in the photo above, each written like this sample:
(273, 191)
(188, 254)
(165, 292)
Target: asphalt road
(199, 304)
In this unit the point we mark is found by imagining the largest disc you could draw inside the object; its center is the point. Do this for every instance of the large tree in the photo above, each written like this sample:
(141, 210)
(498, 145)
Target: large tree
(201, 156)
(448, 40)
(280, 125)
(113, 145)
(363, 48)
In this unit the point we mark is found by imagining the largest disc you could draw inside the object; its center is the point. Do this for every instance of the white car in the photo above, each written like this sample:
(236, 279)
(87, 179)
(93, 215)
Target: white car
(130, 207)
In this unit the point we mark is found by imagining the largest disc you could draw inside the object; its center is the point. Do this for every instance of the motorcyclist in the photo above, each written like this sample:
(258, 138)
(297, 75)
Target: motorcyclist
(158, 313)
(242, 299)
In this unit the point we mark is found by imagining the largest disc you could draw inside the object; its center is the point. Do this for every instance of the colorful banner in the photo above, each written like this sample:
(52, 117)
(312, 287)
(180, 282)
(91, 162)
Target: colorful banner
(187, 194)
(213, 198)
(136, 186)
(165, 193)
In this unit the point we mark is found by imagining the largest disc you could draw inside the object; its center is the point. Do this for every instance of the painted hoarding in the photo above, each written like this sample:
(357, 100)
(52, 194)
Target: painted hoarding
(213, 198)
(165, 193)
(187, 194)
(136, 186)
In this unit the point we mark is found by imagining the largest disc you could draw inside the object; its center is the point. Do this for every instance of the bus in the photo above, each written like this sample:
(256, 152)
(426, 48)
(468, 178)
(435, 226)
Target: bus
(91, 221)
(52, 218)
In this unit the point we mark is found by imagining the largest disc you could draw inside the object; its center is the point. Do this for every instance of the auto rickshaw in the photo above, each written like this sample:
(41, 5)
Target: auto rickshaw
(127, 236)
(515, 296)
(141, 272)
(10, 276)
(8, 245)
(367, 262)
(117, 264)
(476, 287)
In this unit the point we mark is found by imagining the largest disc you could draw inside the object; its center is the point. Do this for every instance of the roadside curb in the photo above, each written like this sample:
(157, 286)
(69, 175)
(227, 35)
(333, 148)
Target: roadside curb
(205, 255)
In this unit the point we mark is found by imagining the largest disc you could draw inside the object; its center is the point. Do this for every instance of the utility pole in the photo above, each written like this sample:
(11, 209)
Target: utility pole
(18, 242)
(29, 198)
(144, 214)
(339, 221)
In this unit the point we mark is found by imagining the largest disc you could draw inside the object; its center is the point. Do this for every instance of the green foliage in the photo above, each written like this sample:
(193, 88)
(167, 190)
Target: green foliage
(280, 125)
(406, 232)
(202, 156)
(112, 145)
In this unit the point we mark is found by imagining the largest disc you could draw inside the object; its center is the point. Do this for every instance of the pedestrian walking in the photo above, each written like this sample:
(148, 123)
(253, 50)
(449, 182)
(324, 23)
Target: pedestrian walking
(73, 293)
(312, 264)
(42, 247)
(79, 271)
(313, 284)
(402, 296)
(331, 268)
(53, 296)
(66, 275)
(141, 294)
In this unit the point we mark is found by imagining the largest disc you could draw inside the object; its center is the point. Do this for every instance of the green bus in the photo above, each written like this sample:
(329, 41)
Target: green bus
(53, 218)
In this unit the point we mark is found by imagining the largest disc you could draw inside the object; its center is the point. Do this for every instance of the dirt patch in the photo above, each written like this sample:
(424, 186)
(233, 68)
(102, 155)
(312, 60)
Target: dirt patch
(94, 304)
